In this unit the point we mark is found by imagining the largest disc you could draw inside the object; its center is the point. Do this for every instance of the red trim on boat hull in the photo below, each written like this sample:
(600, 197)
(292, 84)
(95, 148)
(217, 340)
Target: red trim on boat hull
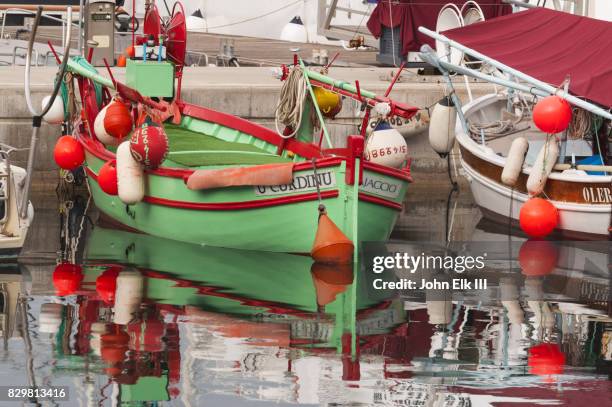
(259, 203)
(254, 129)
(232, 206)
(379, 201)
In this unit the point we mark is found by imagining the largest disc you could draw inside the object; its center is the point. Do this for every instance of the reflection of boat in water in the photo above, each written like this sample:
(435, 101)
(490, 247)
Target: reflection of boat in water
(273, 331)
(236, 281)
(246, 310)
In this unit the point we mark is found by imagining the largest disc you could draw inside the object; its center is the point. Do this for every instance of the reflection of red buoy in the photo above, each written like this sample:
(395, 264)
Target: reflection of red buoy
(106, 284)
(538, 257)
(538, 217)
(545, 359)
(67, 278)
(331, 245)
(107, 178)
(121, 61)
(68, 153)
(114, 347)
(552, 114)
(330, 280)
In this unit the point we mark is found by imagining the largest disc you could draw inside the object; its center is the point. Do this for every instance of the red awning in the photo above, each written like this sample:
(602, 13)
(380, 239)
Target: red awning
(549, 45)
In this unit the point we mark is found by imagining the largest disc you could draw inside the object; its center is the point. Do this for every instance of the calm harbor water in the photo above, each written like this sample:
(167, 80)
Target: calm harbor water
(201, 326)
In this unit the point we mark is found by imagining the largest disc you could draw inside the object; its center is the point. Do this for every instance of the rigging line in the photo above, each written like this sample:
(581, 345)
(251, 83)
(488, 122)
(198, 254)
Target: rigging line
(257, 17)
(361, 22)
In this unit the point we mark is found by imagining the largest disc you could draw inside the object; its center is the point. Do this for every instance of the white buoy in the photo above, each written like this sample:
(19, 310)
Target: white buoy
(128, 296)
(442, 126)
(542, 167)
(386, 146)
(196, 22)
(130, 176)
(50, 317)
(55, 115)
(100, 130)
(294, 31)
(514, 161)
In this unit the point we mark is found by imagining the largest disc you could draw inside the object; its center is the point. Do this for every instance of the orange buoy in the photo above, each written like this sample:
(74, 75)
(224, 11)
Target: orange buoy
(67, 278)
(330, 280)
(68, 153)
(538, 217)
(331, 245)
(545, 359)
(107, 178)
(121, 61)
(130, 51)
(118, 120)
(552, 114)
(538, 257)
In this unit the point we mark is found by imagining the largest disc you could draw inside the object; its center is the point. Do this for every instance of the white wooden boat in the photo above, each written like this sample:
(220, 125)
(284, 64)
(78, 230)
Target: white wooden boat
(546, 61)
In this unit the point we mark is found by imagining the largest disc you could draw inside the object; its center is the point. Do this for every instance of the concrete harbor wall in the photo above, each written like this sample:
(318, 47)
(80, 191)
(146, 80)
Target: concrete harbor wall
(247, 92)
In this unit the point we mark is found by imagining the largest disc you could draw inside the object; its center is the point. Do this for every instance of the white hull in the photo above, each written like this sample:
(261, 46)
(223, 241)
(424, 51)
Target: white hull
(502, 201)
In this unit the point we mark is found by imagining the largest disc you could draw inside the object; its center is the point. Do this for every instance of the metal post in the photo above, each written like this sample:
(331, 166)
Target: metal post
(36, 115)
(80, 41)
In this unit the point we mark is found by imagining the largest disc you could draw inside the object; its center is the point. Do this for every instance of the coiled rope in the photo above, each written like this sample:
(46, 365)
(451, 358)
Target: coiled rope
(291, 102)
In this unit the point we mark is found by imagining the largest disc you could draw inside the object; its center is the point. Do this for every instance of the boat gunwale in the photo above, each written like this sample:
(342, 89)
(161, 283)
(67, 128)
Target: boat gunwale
(98, 149)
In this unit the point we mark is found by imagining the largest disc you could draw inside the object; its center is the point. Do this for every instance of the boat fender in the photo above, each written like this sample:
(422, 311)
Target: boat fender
(442, 126)
(130, 176)
(100, 130)
(514, 161)
(386, 146)
(542, 167)
(55, 115)
(128, 296)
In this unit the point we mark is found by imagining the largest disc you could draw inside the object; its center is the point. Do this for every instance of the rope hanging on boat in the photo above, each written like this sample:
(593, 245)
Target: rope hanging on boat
(292, 102)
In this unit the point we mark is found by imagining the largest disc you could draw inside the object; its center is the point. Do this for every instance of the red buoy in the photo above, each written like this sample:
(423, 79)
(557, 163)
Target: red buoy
(538, 257)
(67, 278)
(149, 146)
(107, 178)
(552, 114)
(538, 217)
(68, 153)
(545, 359)
(118, 120)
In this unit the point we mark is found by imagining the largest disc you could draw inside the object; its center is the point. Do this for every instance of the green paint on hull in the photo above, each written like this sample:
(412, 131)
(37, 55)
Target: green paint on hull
(193, 149)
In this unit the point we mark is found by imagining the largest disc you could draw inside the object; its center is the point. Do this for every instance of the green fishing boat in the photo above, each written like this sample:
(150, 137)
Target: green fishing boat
(217, 179)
